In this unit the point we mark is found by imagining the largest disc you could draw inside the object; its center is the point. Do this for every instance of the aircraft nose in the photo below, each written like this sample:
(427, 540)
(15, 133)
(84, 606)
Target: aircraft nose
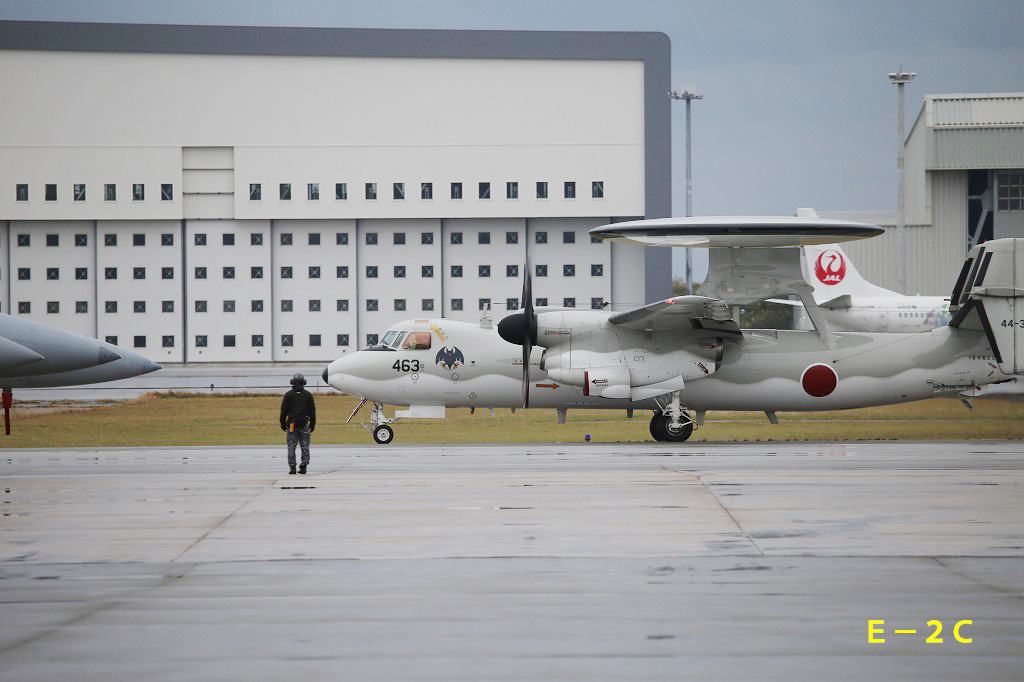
(150, 366)
(104, 355)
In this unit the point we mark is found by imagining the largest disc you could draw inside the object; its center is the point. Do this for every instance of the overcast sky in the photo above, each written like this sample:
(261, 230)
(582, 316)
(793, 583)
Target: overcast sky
(797, 107)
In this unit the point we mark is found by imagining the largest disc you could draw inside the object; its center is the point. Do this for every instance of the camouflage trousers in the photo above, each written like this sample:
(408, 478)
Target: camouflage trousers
(298, 437)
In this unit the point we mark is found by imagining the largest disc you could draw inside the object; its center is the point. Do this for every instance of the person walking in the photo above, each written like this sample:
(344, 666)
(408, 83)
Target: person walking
(298, 419)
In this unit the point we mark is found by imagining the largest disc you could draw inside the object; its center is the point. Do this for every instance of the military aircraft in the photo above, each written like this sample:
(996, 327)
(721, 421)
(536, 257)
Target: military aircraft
(849, 302)
(34, 355)
(686, 353)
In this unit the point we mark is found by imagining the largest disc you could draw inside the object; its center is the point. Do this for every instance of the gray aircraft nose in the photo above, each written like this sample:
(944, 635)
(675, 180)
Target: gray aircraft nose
(150, 366)
(105, 355)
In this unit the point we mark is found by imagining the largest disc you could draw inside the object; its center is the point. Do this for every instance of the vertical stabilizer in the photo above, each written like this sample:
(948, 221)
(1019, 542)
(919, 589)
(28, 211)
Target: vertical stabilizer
(828, 269)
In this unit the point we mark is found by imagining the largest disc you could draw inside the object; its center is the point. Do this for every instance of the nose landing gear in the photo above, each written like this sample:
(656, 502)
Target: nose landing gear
(382, 433)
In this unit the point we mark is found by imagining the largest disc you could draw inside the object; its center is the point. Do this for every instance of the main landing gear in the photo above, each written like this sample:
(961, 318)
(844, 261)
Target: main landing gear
(671, 423)
(382, 433)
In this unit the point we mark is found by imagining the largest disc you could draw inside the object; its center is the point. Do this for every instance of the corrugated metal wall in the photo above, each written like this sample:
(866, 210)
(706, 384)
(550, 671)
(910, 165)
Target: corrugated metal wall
(976, 148)
(977, 110)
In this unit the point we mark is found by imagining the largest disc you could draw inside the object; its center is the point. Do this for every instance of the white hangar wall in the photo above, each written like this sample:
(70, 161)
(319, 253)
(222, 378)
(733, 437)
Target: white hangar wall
(209, 207)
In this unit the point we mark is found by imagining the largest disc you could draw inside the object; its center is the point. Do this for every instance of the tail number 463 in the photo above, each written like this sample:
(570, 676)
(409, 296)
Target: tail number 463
(407, 366)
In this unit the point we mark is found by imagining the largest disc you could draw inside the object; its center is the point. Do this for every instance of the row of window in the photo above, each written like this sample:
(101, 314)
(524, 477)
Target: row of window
(313, 272)
(79, 192)
(288, 305)
(313, 238)
(230, 340)
(456, 190)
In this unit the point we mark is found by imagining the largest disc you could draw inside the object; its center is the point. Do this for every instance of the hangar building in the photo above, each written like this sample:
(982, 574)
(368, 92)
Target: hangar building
(964, 184)
(206, 194)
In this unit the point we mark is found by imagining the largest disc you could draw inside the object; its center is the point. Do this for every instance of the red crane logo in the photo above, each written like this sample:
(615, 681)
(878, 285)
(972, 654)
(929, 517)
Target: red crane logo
(830, 268)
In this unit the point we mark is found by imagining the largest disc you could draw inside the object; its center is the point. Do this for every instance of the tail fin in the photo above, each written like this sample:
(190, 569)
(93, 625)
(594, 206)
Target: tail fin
(985, 299)
(828, 269)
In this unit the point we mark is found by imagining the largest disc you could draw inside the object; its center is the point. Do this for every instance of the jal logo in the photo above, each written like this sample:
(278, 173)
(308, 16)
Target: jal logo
(830, 268)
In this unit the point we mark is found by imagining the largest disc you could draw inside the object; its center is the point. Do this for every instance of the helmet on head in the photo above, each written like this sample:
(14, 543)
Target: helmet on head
(298, 380)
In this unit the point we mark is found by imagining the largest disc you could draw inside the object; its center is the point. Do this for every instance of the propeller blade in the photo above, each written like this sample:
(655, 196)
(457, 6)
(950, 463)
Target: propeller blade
(527, 349)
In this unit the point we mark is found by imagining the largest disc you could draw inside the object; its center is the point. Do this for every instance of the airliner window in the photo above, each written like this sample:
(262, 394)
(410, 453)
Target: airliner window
(386, 341)
(417, 341)
(398, 340)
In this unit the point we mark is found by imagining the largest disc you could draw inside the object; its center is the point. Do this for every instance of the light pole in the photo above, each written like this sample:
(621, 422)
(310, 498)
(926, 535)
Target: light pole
(688, 95)
(899, 79)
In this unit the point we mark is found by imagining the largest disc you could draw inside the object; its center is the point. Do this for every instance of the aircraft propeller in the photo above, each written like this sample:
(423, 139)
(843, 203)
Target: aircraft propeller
(521, 329)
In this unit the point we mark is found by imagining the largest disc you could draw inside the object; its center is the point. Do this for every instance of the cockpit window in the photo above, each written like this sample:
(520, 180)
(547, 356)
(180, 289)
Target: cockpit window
(398, 340)
(386, 341)
(417, 341)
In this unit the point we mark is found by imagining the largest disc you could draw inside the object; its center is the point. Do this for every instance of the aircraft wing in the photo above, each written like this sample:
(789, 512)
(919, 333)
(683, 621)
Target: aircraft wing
(680, 312)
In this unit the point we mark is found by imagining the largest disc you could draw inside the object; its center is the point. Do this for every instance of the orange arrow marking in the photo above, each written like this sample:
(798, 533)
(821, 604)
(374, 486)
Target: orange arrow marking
(546, 385)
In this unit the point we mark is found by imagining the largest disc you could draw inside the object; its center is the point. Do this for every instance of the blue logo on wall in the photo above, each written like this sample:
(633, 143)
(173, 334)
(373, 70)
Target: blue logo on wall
(450, 358)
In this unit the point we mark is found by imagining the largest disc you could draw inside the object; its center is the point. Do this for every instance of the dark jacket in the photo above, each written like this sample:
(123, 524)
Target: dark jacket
(298, 405)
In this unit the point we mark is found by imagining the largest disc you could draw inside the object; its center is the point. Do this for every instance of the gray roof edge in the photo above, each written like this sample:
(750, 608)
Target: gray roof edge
(339, 42)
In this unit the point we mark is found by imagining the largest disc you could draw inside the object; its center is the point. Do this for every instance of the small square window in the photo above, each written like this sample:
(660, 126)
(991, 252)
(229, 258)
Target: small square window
(456, 271)
(200, 273)
(371, 339)
(426, 238)
(138, 192)
(255, 191)
(286, 305)
(256, 272)
(568, 271)
(138, 273)
(371, 305)
(540, 271)
(341, 191)
(81, 240)
(52, 273)
(313, 239)
(484, 270)
(399, 238)
(110, 192)
(511, 270)
(110, 306)
(166, 192)
(109, 273)
(140, 341)
(314, 272)
(314, 305)
(371, 271)
(399, 305)
(426, 190)
(341, 272)
(341, 238)
(108, 240)
(597, 303)
(485, 190)
(229, 340)
(456, 304)
(342, 305)
(511, 190)
(485, 303)
(456, 190)
(21, 192)
(398, 191)
(24, 307)
(53, 307)
(371, 191)
(483, 237)
(511, 304)
(427, 304)
(257, 340)
(286, 272)
(200, 306)
(200, 340)
(313, 191)
(342, 339)
(50, 193)
(167, 239)
(24, 240)
(284, 192)
(596, 270)
(112, 340)
(139, 306)
(542, 190)
(81, 273)
(314, 340)
(256, 306)
(79, 192)
(229, 306)
(167, 341)
(81, 306)
(199, 239)
(256, 239)
(399, 271)
(53, 240)
(570, 193)
(455, 237)
(227, 239)
(597, 189)
(568, 237)
(540, 237)
(286, 239)
(167, 306)
(511, 237)
(371, 238)
(427, 271)
(26, 273)
(568, 302)
(138, 239)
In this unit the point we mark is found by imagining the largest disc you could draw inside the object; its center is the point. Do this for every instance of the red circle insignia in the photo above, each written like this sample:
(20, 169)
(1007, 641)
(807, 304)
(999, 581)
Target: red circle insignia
(819, 380)
(830, 267)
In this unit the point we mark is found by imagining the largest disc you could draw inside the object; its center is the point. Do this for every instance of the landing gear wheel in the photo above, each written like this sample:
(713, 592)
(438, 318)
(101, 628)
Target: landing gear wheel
(383, 434)
(655, 433)
(667, 433)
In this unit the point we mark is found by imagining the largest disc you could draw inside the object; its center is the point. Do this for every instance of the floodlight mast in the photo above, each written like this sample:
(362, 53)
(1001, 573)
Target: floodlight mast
(899, 79)
(688, 95)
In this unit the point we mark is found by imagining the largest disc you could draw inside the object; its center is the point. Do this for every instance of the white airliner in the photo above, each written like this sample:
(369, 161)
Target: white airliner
(851, 303)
